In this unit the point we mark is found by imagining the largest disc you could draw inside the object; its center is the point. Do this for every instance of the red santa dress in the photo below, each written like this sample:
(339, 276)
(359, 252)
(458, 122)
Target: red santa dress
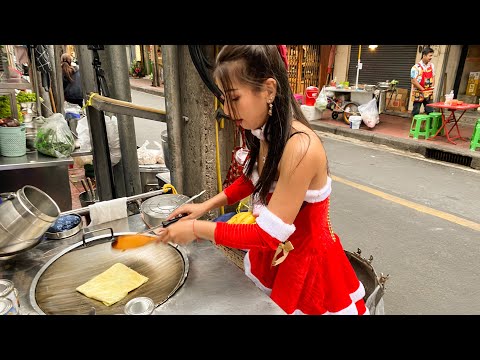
(316, 277)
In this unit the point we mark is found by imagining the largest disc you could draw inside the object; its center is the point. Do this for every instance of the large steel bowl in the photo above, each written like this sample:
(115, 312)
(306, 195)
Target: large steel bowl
(24, 219)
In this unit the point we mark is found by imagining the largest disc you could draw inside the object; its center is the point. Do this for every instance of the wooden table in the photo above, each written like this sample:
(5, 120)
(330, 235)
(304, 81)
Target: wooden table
(452, 118)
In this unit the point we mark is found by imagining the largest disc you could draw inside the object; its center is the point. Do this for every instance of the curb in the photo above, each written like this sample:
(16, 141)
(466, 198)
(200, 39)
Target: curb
(411, 145)
(146, 90)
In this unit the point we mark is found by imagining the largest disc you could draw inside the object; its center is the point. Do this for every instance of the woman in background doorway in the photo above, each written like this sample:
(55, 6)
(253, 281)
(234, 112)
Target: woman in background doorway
(72, 85)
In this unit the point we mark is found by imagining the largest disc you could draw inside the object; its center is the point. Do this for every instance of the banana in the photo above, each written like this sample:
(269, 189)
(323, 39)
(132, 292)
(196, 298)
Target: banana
(244, 217)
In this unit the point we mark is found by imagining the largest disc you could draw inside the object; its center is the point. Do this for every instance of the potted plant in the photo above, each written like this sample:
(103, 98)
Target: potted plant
(5, 110)
(136, 69)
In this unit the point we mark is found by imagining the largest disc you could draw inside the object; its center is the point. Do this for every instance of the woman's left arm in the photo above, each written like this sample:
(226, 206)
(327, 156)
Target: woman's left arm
(299, 165)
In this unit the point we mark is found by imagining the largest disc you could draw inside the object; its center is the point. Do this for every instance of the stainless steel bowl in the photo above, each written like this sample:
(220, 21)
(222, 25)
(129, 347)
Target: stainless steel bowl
(65, 233)
(31, 142)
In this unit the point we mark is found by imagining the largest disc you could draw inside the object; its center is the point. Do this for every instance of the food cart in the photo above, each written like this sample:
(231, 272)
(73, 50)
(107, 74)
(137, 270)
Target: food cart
(345, 101)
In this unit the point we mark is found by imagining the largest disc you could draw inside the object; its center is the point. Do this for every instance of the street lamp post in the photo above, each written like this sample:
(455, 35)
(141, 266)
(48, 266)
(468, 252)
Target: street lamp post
(359, 64)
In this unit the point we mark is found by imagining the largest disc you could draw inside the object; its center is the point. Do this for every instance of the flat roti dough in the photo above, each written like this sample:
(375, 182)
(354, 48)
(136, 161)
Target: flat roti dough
(113, 284)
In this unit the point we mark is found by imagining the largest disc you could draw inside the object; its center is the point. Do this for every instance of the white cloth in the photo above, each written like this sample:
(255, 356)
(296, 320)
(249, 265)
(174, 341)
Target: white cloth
(259, 132)
(105, 211)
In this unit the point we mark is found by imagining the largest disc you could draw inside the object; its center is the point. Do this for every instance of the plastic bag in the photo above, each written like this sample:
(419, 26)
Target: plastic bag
(54, 137)
(113, 138)
(150, 156)
(369, 112)
(321, 101)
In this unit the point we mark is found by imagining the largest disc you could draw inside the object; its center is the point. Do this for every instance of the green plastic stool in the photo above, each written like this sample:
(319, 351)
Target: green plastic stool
(436, 122)
(416, 126)
(475, 142)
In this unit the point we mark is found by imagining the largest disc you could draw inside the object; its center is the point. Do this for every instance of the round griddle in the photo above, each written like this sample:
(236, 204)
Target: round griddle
(53, 290)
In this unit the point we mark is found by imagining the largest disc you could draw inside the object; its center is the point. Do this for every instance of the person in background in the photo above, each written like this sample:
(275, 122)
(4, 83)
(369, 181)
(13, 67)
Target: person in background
(293, 254)
(423, 79)
(72, 84)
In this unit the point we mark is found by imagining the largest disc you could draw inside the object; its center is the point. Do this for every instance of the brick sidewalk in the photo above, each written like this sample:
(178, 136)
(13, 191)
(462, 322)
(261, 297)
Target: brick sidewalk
(399, 127)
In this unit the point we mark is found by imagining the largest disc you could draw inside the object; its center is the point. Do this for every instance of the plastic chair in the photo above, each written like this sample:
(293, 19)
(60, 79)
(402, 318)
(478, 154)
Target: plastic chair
(436, 123)
(475, 142)
(420, 126)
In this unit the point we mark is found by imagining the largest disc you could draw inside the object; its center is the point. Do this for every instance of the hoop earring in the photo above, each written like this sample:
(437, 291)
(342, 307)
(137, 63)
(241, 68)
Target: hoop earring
(270, 107)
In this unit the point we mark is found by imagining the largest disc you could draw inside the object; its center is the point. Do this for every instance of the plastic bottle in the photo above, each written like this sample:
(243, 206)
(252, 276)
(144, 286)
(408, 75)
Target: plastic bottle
(449, 98)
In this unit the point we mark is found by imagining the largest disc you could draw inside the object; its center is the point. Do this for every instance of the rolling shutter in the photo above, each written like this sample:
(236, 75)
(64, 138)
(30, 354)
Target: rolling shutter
(386, 62)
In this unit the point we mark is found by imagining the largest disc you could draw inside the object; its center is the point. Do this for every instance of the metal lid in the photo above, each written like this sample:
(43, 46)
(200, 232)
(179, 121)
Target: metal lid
(162, 205)
(6, 286)
(5, 306)
(140, 306)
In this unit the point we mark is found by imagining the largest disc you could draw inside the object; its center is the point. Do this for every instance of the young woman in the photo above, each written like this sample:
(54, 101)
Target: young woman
(293, 254)
(72, 83)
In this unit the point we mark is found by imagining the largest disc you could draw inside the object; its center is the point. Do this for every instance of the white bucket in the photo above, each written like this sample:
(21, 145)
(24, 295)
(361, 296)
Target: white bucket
(355, 122)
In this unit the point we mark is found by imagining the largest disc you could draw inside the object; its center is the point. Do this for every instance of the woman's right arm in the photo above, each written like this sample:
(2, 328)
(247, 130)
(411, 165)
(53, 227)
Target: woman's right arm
(238, 190)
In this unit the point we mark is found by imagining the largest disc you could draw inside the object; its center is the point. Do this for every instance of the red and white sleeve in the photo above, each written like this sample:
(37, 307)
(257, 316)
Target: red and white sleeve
(268, 231)
(239, 189)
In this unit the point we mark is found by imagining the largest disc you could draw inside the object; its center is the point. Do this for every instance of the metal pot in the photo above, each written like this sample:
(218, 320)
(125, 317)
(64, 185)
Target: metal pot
(383, 85)
(373, 283)
(25, 218)
(157, 208)
(148, 176)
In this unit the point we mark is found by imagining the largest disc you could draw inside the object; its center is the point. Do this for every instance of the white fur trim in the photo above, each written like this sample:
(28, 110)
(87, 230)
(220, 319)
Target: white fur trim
(248, 272)
(259, 133)
(350, 309)
(274, 226)
(241, 156)
(313, 196)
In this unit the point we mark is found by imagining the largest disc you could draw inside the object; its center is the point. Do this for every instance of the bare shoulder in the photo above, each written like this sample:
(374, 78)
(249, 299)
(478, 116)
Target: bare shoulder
(304, 146)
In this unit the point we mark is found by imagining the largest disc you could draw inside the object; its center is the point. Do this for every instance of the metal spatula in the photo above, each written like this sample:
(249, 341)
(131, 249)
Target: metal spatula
(129, 241)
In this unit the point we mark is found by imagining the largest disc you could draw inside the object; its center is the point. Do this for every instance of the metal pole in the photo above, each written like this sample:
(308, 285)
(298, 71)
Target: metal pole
(96, 122)
(174, 113)
(120, 89)
(57, 69)
(358, 65)
(53, 92)
(34, 76)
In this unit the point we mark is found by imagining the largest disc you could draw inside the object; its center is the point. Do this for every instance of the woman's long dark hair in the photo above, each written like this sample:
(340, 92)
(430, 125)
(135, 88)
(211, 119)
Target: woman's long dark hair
(67, 68)
(252, 65)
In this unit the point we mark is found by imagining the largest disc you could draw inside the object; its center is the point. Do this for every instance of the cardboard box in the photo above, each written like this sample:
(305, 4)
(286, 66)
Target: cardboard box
(473, 88)
(469, 99)
(397, 102)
